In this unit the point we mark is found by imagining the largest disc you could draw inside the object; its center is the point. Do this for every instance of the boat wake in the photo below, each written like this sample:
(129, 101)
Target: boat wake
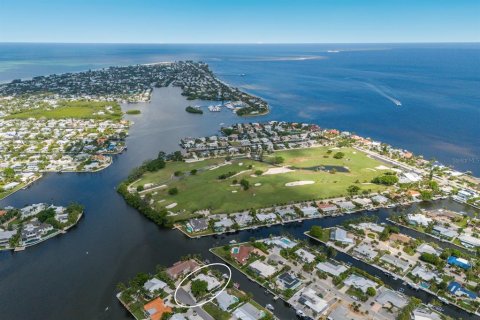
(383, 92)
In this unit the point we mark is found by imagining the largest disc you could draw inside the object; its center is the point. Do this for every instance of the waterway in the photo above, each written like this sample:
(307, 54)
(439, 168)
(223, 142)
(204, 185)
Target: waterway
(74, 276)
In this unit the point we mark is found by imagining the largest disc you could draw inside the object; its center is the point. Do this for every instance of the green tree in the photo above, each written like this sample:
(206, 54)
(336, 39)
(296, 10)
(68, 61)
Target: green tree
(371, 291)
(199, 288)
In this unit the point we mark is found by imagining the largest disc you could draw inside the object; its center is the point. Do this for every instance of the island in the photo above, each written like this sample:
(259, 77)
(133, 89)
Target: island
(35, 223)
(73, 122)
(195, 109)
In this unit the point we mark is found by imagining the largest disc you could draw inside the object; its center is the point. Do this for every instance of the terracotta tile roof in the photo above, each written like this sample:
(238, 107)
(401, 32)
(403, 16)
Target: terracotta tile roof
(243, 254)
(181, 268)
(156, 308)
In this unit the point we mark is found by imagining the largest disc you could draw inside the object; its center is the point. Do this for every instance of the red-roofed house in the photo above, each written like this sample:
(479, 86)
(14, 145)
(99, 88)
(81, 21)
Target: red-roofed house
(241, 254)
(182, 268)
(155, 309)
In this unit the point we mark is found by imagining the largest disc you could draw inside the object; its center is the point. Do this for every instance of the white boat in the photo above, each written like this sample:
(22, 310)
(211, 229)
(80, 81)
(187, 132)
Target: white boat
(269, 307)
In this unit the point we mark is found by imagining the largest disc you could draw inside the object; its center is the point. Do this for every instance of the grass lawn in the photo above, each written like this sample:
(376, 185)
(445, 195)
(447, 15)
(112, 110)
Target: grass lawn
(73, 109)
(206, 191)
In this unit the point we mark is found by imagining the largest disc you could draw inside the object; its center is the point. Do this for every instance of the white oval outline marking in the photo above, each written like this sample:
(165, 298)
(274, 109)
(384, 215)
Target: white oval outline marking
(196, 270)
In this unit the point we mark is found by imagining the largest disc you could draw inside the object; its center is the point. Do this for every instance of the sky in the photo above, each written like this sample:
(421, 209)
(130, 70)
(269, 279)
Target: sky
(239, 21)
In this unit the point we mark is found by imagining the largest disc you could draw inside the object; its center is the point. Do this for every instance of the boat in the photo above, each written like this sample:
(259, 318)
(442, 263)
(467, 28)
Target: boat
(233, 241)
(269, 307)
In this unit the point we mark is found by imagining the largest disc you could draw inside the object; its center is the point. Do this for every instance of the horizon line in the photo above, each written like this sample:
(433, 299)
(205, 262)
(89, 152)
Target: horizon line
(240, 43)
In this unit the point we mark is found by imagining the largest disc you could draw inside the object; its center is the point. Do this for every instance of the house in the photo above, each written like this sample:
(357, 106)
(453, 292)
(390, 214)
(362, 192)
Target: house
(419, 219)
(359, 282)
(5, 237)
(243, 219)
(338, 234)
(182, 268)
(197, 225)
(225, 300)
(223, 224)
(459, 262)
(155, 309)
(331, 268)
(380, 199)
(283, 243)
(425, 314)
(306, 256)
(366, 251)
(424, 274)
(426, 248)
(443, 232)
(211, 281)
(262, 269)
(266, 217)
(346, 205)
(309, 211)
(342, 313)
(154, 284)
(288, 280)
(327, 208)
(248, 311)
(370, 226)
(456, 289)
(241, 253)
(469, 241)
(308, 297)
(396, 262)
(32, 210)
(363, 202)
(389, 297)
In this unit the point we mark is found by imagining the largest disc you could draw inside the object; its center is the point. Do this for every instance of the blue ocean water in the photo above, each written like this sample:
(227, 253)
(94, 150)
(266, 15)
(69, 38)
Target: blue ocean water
(421, 97)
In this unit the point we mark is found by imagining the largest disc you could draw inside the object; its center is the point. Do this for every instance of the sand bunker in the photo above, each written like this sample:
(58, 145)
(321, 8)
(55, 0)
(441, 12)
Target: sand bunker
(172, 205)
(278, 170)
(382, 167)
(258, 184)
(299, 183)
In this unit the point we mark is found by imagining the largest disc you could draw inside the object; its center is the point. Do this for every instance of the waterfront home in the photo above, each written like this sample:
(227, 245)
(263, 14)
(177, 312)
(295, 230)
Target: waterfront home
(309, 298)
(469, 241)
(334, 269)
(346, 205)
(5, 237)
(447, 233)
(359, 282)
(288, 280)
(366, 251)
(266, 217)
(340, 235)
(342, 313)
(211, 281)
(419, 219)
(369, 226)
(363, 202)
(262, 269)
(396, 262)
(197, 225)
(243, 219)
(33, 232)
(424, 314)
(32, 210)
(425, 274)
(153, 285)
(426, 248)
(156, 308)
(380, 199)
(182, 268)
(309, 211)
(459, 262)
(248, 311)
(222, 225)
(388, 298)
(241, 253)
(456, 289)
(283, 243)
(327, 208)
(225, 300)
(287, 214)
(305, 256)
